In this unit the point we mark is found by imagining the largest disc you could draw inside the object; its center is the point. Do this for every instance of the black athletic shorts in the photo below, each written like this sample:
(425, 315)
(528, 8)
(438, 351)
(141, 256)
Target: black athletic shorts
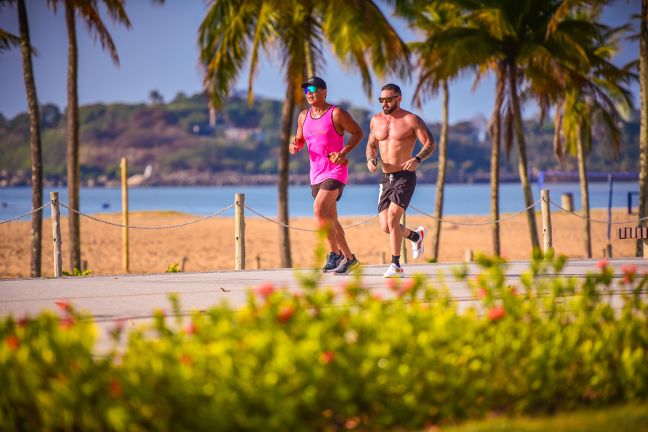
(328, 184)
(397, 188)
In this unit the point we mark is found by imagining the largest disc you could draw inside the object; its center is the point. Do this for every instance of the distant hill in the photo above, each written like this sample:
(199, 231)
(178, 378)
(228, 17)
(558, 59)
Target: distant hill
(178, 142)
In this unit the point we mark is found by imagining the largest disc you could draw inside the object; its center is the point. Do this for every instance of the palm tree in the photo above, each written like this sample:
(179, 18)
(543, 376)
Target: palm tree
(434, 73)
(594, 96)
(643, 140)
(87, 11)
(34, 140)
(8, 40)
(516, 39)
(294, 31)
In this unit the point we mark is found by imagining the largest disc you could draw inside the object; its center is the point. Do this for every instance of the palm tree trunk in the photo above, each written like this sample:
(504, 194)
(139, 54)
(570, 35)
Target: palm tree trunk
(582, 175)
(440, 185)
(73, 140)
(643, 134)
(496, 137)
(522, 161)
(34, 140)
(286, 127)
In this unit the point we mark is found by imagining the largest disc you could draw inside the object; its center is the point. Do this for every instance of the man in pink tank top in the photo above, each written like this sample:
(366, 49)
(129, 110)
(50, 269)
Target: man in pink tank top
(322, 128)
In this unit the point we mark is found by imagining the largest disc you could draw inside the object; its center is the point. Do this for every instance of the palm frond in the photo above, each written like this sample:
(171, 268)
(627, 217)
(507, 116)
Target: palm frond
(8, 40)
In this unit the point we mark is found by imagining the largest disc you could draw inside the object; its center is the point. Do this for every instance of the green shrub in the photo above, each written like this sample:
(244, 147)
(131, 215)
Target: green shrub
(340, 358)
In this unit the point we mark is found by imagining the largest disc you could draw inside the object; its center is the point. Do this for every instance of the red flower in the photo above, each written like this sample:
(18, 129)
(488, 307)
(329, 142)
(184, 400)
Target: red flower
(406, 287)
(118, 328)
(64, 305)
(327, 357)
(393, 284)
(264, 290)
(186, 359)
(602, 264)
(496, 313)
(191, 328)
(481, 292)
(115, 388)
(67, 323)
(285, 313)
(630, 269)
(13, 342)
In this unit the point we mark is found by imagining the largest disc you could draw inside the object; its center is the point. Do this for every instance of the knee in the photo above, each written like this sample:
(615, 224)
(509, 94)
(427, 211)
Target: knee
(393, 219)
(384, 226)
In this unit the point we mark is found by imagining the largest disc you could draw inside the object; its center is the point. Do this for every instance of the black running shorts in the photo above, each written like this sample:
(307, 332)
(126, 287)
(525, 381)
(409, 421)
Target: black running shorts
(328, 184)
(397, 188)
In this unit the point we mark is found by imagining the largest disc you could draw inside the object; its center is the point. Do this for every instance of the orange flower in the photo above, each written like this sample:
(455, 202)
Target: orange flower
(115, 388)
(481, 292)
(496, 313)
(67, 323)
(327, 357)
(13, 342)
(64, 305)
(186, 359)
(264, 290)
(285, 313)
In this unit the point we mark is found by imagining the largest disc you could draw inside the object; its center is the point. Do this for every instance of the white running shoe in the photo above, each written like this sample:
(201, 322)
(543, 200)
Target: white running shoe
(394, 272)
(417, 246)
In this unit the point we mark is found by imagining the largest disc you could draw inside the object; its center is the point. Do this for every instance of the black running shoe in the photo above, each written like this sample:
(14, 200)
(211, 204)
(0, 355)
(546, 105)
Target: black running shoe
(347, 266)
(332, 263)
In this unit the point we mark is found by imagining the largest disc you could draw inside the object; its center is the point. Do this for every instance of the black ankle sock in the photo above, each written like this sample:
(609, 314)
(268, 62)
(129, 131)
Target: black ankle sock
(396, 260)
(413, 235)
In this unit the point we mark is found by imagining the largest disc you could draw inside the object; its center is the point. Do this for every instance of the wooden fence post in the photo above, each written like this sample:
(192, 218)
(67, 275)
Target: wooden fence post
(403, 244)
(546, 220)
(567, 201)
(124, 182)
(56, 234)
(239, 232)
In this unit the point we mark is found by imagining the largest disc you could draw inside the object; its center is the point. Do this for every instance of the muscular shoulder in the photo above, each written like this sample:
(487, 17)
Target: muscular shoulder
(377, 118)
(414, 121)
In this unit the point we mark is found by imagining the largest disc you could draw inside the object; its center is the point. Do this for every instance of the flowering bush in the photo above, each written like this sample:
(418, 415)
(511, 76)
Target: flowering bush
(340, 358)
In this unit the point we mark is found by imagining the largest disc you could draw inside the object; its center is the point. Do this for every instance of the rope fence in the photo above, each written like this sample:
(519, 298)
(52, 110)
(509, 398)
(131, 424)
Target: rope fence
(147, 227)
(475, 223)
(239, 206)
(26, 214)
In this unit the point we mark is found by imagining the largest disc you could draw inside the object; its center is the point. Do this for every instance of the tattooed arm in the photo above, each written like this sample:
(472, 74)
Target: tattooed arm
(425, 137)
(372, 153)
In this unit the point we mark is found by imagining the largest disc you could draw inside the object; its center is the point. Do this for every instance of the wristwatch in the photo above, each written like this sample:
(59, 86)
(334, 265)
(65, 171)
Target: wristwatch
(418, 159)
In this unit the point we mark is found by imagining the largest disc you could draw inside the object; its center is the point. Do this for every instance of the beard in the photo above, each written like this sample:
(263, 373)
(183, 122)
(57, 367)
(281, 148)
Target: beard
(389, 110)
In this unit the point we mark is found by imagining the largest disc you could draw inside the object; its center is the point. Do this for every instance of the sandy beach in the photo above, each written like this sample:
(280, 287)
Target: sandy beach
(209, 245)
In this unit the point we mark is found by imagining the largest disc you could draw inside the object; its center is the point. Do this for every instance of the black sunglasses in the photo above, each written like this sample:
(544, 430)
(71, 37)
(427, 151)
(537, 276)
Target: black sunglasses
(388, 99)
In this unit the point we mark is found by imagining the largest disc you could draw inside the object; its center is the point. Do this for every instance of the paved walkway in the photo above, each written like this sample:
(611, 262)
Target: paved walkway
(135, 297)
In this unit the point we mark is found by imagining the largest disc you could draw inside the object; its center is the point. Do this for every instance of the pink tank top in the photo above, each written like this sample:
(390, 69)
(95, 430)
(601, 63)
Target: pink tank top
(322, 139)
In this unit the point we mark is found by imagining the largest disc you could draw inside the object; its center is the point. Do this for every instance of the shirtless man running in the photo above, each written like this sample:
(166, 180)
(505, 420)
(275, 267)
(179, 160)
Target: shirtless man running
(394, 132)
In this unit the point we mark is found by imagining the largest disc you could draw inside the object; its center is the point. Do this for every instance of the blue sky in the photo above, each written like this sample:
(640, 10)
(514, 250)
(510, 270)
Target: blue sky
(160, 53)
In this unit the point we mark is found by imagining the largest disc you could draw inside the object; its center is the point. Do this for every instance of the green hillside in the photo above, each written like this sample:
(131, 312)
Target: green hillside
(176, 139)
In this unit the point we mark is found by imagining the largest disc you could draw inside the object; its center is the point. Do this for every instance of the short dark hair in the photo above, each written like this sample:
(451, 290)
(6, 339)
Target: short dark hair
(392, 87)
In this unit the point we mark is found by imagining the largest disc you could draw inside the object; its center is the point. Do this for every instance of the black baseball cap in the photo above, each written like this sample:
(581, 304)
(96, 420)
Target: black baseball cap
(316, 81)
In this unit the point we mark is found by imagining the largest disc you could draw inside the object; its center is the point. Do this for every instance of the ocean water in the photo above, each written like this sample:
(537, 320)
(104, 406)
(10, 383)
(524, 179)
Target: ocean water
(460, 199)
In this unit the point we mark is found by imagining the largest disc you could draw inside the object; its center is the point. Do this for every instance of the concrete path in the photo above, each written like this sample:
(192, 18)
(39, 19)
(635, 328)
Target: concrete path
(135, 297)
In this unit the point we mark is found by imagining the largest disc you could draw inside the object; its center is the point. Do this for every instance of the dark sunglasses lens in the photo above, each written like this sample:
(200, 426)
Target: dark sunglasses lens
(388, 99)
